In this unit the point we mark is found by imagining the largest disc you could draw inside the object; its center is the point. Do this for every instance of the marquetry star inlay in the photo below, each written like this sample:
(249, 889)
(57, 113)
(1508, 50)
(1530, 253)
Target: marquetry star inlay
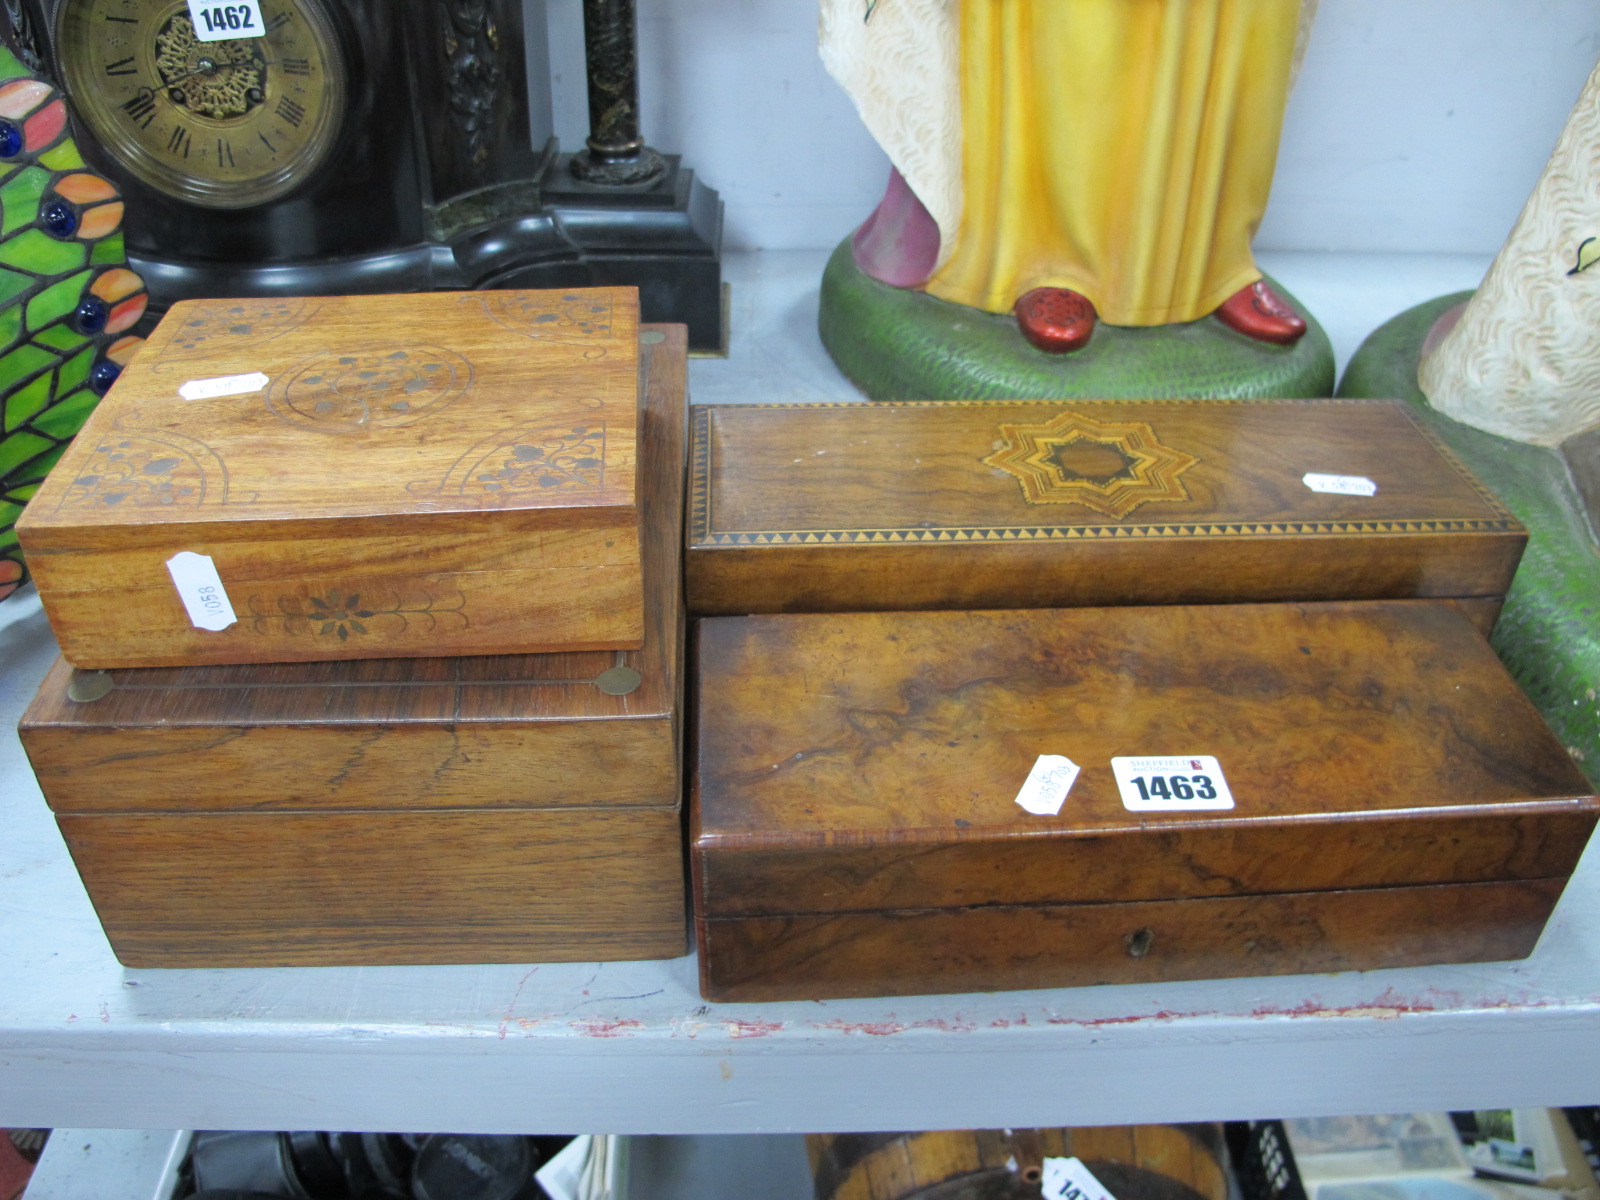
(1110, 466)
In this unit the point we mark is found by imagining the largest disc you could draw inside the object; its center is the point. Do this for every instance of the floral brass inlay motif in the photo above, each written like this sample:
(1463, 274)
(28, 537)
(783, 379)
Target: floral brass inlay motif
(217, 328)
(136, 469)
(552, 460)
(371, 388)
(340, 613)
(531, 459)
(1112, 467)
(568, 317)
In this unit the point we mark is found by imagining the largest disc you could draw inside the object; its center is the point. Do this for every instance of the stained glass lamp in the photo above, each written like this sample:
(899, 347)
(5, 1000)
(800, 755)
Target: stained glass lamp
(67, 298)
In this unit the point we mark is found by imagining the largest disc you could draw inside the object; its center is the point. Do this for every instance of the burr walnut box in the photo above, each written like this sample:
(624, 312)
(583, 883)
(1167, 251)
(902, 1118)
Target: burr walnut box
(1038, 504)
(293, 480)
(502, 808)
(889, 803)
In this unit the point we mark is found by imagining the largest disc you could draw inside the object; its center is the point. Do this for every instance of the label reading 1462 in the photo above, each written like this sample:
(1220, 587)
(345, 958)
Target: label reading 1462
(1171, 783)
(215, 20)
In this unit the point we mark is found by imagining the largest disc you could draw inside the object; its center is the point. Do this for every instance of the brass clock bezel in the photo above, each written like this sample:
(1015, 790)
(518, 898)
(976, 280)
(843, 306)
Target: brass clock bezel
(76, 67)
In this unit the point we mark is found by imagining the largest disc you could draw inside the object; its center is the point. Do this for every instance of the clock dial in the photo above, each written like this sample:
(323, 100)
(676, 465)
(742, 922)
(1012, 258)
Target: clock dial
(226, 124)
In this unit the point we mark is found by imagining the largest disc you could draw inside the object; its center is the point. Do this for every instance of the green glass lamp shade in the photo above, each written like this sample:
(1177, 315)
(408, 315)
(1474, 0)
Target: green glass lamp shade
(67, 298)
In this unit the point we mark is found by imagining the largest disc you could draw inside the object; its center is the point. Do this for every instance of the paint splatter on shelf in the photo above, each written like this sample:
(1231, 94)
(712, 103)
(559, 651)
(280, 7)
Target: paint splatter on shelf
(888, 1028)
(599, 1027)
(747, 1029)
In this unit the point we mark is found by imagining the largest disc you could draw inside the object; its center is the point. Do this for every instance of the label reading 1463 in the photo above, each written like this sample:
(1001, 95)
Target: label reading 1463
(1171, 783)
(215, 20)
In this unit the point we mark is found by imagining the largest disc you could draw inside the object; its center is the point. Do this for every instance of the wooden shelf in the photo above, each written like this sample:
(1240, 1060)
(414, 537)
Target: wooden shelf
(631, 1047)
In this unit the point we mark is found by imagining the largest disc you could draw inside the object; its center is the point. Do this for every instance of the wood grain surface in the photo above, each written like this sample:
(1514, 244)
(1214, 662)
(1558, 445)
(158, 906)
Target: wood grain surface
(488, 809)
(852, 766)
(432, 474)
(499, 730)
(374, 887)
(1134, 1162)
(849, 507)
(861, 872)
(1482, 611)
(895, 724)
(987, 949)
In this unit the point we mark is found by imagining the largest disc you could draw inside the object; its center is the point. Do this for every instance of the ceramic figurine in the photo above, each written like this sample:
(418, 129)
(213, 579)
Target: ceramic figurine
(1509, 376)
(1068, 165)
(67, 298)
(1522, 357)
(1142, 175)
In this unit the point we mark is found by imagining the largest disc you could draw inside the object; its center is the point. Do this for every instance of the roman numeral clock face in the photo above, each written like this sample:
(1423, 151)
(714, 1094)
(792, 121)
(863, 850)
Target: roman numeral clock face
(224, 124)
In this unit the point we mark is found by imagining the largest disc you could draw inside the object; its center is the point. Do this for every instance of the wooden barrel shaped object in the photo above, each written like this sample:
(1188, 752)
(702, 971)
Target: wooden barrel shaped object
(1134, 1162)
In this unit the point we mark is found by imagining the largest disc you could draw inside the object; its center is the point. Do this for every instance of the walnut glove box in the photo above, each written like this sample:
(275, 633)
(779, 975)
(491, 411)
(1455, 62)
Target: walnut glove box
(373, 476)
(856, 830)
(509, 808)
(1039, 504)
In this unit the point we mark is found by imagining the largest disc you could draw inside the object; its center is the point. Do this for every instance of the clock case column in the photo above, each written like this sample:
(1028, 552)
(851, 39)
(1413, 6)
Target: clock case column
(435, 184)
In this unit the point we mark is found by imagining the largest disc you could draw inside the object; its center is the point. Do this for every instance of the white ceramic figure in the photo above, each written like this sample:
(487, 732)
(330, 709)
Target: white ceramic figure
(1523, 357)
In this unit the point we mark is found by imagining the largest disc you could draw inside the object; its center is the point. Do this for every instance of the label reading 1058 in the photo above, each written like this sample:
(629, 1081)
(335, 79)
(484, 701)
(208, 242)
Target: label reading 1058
(201, 591)
(1171, 783)
(214, 21)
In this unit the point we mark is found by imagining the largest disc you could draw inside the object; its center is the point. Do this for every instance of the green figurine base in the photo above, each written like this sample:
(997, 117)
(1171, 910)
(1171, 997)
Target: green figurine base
(899, 344)
(1549, 631)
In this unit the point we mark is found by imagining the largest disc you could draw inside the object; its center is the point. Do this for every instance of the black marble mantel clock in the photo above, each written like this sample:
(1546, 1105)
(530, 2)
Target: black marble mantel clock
(372, 145)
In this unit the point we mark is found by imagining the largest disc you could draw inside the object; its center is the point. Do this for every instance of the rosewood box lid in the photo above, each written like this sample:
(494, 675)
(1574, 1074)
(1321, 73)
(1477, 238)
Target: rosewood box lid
(453, 471)
(876, 761)
(1007, 504)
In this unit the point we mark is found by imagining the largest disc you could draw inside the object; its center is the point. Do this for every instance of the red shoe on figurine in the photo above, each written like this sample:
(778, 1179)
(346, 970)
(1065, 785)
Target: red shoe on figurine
(1259, 312)
(1056, 320)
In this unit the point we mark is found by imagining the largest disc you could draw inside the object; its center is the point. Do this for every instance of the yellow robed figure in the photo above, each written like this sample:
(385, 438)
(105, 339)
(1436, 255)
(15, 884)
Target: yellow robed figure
(1074, 160)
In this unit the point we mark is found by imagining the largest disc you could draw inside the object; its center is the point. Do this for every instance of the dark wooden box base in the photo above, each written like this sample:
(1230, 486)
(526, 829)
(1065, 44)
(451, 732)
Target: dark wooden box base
(839, 955)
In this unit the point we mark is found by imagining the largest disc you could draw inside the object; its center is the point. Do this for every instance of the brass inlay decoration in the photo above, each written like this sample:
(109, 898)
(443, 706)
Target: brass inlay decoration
(149, 468)
(227, 327)
(549, 459)
(579, 319)
(341, 613)
(619, 681)
(373, 387)
(88, 686)
(1110, 466)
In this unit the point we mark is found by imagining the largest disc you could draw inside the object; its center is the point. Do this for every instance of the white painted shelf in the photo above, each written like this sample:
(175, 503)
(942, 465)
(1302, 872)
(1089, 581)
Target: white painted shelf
(631, 1048)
